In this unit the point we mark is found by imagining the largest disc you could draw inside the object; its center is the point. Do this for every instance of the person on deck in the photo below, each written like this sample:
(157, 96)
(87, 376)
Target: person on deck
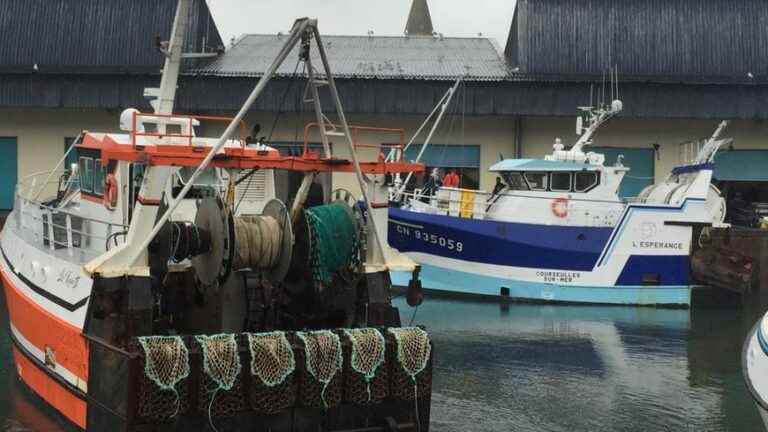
(498, 187)
(451, 179)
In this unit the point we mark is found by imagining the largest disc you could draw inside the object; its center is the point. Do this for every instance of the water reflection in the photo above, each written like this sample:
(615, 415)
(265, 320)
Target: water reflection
(548, 368)
(572, 368)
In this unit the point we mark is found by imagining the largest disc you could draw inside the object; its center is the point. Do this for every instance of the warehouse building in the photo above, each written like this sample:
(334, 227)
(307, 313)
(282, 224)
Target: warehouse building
(683, 66)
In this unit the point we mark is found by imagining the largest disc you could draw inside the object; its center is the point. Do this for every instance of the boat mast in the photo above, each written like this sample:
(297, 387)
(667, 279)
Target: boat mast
(163, 98)
(443, 104)
(130, 257)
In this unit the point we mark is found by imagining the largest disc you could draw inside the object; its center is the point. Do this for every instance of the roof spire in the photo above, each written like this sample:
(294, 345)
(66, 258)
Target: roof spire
(419, 21)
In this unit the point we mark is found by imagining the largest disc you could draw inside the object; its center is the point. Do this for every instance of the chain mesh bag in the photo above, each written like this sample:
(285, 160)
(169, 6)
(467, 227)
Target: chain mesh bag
(410, 358)
(411, 354)
(365, 372)
(273, 385)
(166, 363)
(221, 367)
(322, 356)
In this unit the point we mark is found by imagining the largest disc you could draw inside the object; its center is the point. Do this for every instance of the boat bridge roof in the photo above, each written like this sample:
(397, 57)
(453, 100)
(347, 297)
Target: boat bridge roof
(541, 165)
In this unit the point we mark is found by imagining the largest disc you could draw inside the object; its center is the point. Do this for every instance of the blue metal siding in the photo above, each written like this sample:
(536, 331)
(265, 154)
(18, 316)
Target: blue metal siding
(95, 36)
(741, 165)
(641, 100)
(641, 163)
(692, 40)
(8, 168)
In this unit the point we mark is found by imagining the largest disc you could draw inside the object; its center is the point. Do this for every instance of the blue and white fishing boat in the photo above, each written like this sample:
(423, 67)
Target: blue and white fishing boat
(559, 232)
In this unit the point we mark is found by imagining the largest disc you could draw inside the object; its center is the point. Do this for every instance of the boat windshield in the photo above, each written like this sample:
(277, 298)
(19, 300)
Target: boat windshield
(515, 181)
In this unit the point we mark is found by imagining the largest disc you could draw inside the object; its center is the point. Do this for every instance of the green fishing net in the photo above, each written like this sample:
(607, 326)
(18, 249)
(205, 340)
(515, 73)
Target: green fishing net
(166, 362)
(323, 356)
(367, 353)
(272, 357)
(333, 239)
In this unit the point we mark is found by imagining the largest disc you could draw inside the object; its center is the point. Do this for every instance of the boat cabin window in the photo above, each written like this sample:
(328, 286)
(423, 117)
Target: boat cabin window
(91, 175)
(515, 181)
(86, 174)
(98, 178)
(560, 182)
(585, 181)
(537, 180)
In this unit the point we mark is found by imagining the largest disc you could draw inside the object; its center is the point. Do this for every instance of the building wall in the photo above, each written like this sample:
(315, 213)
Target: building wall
(41, 134)
(539, 134)
(495, 135)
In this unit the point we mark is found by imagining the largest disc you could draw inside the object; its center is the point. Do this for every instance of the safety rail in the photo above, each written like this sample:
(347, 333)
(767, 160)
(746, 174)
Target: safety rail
(190, 121)
(332, 129)
(58, 229)
(465, 203)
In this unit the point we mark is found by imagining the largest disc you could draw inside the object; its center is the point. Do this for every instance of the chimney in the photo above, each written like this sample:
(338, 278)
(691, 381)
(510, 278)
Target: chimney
(419, 21)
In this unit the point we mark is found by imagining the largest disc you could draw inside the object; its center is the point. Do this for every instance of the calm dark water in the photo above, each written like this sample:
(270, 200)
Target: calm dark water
(548, 368)
(573, 368)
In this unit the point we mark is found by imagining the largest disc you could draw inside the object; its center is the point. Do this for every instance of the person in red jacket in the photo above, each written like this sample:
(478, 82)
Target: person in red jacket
(451, 179)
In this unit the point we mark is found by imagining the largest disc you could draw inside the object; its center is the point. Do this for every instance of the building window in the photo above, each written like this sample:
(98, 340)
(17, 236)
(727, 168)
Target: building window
(560, 181)
(585, 181)
(86, 174)
(536, 180)
(463, 159)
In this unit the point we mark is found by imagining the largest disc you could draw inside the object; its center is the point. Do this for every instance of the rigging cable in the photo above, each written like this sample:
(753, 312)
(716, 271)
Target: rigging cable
(272, 129)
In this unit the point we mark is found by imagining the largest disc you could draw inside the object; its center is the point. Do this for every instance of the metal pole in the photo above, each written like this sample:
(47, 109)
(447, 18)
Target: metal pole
(429, 137)
(343, 120)
(392, 152)
(298, 28)
(172, 65)
(316, 103)
(50, 174)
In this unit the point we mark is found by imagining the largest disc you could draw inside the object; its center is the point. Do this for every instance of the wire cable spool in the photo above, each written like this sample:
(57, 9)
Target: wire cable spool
(259, 243)
(216, 264)
(264, 242)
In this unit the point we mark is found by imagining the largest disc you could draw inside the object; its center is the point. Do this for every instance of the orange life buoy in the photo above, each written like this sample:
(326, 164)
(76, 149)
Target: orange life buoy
(560, 207)
(110, 192)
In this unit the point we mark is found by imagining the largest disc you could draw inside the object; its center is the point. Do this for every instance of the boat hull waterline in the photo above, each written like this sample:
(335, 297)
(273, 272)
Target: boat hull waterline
(640, 261)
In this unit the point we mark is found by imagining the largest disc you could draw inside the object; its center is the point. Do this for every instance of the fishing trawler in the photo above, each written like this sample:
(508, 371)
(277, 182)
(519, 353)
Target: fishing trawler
(141, 297)
(559, 232)
(754, 366)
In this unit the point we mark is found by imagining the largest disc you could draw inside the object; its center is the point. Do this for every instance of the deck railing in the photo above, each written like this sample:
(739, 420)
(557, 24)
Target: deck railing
(466, 203)
(51, 223)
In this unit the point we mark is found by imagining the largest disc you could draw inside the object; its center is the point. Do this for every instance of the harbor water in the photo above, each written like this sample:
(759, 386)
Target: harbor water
(548, 368)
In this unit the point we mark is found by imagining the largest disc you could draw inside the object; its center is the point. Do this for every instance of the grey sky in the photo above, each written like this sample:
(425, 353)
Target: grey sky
(492, 18)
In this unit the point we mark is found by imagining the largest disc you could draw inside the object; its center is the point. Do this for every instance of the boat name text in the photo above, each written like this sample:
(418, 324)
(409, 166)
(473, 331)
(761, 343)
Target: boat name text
(658, 245)
(435, 239)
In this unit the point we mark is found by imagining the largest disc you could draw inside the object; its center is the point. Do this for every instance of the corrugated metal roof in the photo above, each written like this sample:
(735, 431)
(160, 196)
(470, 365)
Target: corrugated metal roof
(382, 57)
(94, 36)
(688, 40)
